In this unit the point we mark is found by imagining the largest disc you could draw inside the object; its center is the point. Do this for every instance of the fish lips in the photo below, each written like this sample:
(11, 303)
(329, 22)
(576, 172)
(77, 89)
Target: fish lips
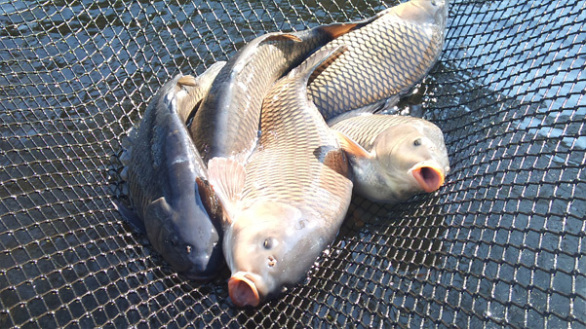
(429, 176)
(245, 289)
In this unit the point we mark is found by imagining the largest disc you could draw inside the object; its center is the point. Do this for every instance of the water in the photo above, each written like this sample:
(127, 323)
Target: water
(501, 243)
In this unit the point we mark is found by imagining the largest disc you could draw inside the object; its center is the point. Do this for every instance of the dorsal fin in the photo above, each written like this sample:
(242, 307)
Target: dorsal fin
(337, 29)
(281, 36)
(196, 88)
(187, 81)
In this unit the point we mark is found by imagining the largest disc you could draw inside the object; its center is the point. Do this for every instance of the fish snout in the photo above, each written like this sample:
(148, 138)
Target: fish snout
(429, 177)
(200, 262)
(205, 259)
(243, 289)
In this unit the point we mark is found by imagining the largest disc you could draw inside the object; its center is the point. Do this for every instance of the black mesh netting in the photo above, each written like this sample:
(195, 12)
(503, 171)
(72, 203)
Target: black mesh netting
(503, 243)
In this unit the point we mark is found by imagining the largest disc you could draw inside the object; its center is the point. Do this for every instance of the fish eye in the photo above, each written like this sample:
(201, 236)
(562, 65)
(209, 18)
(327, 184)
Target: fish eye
(268, 243)
(417, 142)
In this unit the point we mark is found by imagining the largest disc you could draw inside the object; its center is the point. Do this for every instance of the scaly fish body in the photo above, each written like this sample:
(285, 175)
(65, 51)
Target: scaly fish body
(294, 196)
(166, 179)
(394, 157)
(227, 122)
(384, 60)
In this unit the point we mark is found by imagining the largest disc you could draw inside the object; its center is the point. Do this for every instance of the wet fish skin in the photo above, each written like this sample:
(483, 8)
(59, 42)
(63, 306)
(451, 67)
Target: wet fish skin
(293, 197)
(227, 122)
(166, 179)
(197, 88)
(385, 58)
(394, 157)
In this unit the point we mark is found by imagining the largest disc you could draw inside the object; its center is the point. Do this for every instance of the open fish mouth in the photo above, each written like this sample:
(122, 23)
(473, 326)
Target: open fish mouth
(243, 289)
(430, 178)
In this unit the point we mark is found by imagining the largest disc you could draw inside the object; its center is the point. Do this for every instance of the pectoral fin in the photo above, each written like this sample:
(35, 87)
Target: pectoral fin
(209, 199)
(159, 210)
(129, 216)
(158, 215)
(351, 147)
(338, 162)
(226, 176)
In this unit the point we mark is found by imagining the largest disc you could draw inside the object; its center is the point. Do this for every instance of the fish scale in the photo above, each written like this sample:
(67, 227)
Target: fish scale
(227, 122)
(364, 131)
(384, 60)
(294, 196)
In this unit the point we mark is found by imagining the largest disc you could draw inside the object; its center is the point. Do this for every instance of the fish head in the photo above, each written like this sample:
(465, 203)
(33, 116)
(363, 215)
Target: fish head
(184, 235)
(267, 248)
(424, 11)
(413, 158)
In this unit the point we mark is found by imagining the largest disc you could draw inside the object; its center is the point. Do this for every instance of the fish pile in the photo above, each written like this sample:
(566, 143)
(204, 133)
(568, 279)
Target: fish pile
(280, 136)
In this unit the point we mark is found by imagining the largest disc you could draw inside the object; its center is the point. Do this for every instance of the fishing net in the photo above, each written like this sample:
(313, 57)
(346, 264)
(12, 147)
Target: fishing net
(503, 243)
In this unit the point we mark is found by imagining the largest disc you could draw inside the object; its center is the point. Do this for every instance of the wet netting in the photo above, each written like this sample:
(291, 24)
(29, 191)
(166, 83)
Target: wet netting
(503, 243)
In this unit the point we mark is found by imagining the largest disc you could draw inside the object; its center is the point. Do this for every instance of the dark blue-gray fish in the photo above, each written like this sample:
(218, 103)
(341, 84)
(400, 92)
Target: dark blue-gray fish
(170, 199)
